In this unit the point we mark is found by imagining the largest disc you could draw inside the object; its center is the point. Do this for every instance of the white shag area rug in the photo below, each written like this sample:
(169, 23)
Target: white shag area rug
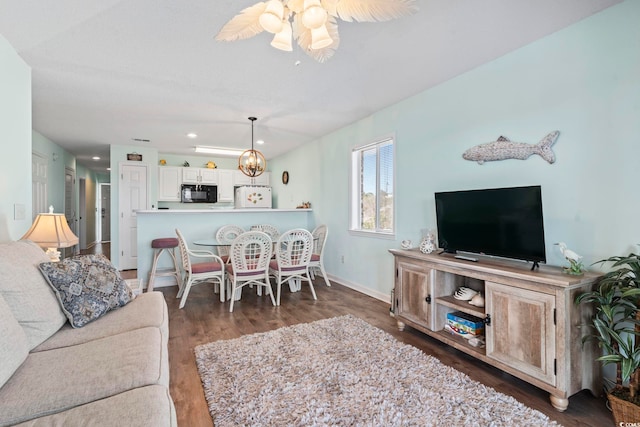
(344, 372)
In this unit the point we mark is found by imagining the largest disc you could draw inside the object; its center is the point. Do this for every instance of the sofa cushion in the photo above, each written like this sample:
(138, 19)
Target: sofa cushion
(56, 380)
(148, 309)
(87, 286)
(145, 406)
(31, 299)
(13, 343)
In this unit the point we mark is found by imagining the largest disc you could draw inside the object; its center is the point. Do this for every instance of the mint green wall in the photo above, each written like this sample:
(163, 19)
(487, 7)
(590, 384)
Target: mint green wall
(583, 81)
(15, 141)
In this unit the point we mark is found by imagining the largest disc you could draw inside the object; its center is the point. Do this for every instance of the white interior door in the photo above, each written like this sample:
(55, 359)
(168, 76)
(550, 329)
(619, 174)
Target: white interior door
(39, 170)
(132, 193)
(70, 207)
(105, 212)
(82, 213)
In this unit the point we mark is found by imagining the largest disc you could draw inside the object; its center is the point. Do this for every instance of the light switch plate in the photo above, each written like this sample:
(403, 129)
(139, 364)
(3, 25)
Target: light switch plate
(18, 211)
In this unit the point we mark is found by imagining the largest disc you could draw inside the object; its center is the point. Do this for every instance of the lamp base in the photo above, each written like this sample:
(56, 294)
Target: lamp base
(53, 254)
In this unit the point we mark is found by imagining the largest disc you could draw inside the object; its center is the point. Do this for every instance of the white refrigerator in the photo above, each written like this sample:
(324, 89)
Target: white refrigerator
(250, 196)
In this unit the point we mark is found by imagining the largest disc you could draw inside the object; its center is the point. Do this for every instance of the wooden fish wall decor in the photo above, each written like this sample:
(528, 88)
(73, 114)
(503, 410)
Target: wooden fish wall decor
(503, 149)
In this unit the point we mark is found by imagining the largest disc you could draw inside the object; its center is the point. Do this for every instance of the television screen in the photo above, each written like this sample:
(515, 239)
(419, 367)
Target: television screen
(504, 222)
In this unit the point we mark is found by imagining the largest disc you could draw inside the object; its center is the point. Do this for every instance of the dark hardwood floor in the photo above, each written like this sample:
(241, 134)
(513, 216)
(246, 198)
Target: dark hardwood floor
(205, 319)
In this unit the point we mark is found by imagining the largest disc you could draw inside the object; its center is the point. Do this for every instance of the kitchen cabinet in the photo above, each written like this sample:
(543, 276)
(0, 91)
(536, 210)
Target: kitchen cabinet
(240, 179)
(225, 185)
(203, 176)
(169, 181)
(533, 328)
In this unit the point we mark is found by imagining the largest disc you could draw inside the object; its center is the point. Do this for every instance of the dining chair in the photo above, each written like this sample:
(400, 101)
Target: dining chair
(293, 254)
(227, 234)
(271, 230)
(249, 257)
(210, 270)
(319, 234)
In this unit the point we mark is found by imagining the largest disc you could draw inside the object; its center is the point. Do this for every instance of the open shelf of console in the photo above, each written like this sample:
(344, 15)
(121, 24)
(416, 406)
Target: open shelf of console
(532, 326)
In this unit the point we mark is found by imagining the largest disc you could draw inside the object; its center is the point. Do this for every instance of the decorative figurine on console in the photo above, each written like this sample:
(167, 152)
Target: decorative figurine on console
(576, 268)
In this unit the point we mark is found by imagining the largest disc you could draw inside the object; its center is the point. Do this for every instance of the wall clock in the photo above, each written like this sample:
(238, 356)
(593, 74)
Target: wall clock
(285, 177)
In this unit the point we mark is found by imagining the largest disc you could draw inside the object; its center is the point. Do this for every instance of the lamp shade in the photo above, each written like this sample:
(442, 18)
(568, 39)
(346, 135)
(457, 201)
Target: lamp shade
(50, 230)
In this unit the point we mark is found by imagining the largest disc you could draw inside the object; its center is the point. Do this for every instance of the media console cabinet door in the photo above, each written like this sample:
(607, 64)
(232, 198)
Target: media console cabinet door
(522, 331)
(413, 291)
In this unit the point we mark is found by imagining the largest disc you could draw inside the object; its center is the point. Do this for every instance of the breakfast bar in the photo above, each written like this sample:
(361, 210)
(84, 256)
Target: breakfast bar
(198, 224)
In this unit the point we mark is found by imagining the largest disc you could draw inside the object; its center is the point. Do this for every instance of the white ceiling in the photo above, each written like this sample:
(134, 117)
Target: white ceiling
(107, 71)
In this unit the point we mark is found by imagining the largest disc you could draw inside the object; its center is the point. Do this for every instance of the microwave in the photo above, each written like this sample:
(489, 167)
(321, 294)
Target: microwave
(193, 193)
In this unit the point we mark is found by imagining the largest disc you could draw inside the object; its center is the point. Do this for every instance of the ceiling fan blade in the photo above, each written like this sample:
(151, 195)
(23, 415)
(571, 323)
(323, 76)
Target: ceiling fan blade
(374, 10)
(244, 25)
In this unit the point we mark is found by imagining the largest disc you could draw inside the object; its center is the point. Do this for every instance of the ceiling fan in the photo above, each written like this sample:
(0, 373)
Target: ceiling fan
(312, 23)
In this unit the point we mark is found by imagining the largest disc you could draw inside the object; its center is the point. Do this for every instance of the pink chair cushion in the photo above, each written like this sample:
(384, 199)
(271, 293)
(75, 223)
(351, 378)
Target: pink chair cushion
(315, 257)
(229, 269)
(205, 267)
(164, 243)
(274, 266)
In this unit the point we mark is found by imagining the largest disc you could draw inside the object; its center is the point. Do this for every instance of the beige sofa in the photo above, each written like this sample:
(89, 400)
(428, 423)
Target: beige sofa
(113, 371)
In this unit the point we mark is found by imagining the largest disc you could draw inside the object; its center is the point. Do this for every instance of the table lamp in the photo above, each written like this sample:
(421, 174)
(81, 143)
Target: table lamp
(51, 231)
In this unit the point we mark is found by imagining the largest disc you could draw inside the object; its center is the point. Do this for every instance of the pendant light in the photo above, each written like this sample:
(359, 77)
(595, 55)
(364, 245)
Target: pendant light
(251, 162)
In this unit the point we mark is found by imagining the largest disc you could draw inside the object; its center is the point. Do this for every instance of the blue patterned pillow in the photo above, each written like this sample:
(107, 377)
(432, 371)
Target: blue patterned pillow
(87, 287)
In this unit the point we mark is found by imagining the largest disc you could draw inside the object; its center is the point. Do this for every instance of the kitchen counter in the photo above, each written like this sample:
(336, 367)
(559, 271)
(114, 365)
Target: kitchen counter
(197, 224)
(221, 210)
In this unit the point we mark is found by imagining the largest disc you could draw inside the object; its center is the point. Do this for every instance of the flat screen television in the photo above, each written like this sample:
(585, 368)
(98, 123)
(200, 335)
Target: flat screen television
(503, 222)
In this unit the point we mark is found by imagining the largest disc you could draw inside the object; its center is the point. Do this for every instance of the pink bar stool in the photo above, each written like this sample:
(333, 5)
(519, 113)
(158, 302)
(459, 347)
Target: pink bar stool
(160, 245)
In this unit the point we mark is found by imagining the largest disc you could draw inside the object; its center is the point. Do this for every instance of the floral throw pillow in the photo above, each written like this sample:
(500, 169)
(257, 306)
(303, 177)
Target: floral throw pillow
(87, 287)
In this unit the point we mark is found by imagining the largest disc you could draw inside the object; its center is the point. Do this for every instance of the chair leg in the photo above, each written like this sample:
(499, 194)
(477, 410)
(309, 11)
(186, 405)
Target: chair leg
(324, 275)
(313, 291)
(176, 266)
(154, 264)
(270, 292)
(187, 288)
(233, 295)
(279, 289)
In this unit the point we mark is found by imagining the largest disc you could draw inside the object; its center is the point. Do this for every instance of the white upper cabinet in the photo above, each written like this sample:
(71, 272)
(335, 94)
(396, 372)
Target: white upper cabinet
(204, 176)
(169, 180)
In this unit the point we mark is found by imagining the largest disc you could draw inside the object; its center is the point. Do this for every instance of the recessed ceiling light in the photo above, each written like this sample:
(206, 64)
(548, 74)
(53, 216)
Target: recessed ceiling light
(95, 158)
(192, 135)
(260, 142)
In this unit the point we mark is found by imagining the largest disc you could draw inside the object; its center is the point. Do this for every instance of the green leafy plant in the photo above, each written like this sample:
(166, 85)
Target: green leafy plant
(616, 322)
(576, 268)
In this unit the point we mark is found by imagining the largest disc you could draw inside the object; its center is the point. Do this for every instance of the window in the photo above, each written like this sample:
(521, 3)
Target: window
(372, 181)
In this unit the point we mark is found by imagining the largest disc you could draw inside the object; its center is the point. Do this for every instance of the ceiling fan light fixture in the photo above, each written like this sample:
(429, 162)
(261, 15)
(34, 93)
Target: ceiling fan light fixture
(314, 15)
(320, 38)
(271, 18)
(282, 40)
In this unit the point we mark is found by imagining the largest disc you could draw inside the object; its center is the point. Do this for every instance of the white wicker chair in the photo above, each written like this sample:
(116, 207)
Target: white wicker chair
(270, 230)
(249, 263)
(211, 270)
(320, 234)
(293, 254)
(227, 234)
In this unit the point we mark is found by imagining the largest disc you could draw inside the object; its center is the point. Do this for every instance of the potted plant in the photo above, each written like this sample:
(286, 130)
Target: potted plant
(616, 329)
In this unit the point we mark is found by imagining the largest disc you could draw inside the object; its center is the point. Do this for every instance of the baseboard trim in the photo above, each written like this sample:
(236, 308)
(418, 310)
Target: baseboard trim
(360, 288)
